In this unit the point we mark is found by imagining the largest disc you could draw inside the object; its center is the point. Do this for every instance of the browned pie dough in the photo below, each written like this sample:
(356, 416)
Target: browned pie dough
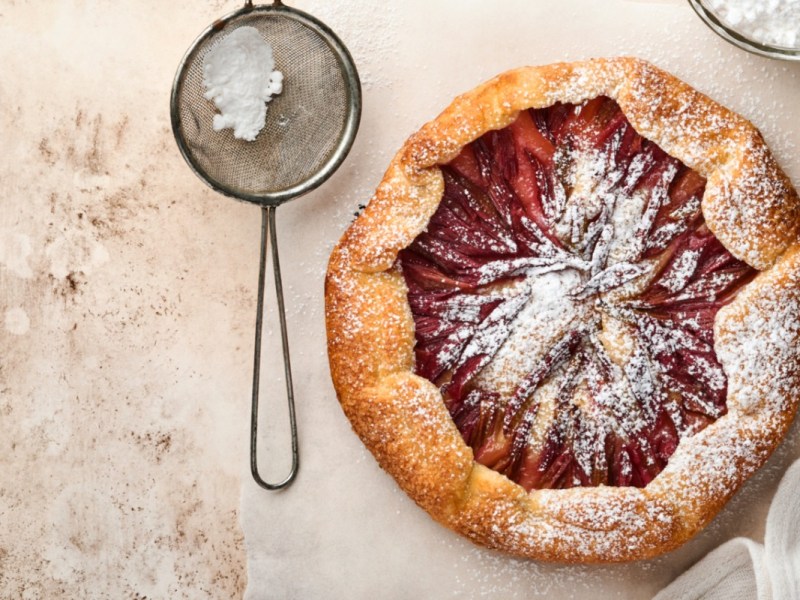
(750, 206)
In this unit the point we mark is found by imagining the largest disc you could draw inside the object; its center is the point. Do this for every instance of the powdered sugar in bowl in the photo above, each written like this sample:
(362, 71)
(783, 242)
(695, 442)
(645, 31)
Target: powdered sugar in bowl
(765, 27)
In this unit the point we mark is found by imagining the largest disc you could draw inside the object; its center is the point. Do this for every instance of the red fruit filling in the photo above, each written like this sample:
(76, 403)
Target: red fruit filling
(564, 296)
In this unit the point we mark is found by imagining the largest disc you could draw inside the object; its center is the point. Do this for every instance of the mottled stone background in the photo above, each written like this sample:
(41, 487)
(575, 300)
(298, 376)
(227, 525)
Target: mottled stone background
(127, 299)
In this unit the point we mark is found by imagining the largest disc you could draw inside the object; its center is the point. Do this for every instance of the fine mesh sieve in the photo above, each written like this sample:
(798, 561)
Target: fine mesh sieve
(309, 130)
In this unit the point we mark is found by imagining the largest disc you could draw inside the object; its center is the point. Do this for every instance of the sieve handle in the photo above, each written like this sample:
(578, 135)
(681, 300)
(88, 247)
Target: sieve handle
(268, 219)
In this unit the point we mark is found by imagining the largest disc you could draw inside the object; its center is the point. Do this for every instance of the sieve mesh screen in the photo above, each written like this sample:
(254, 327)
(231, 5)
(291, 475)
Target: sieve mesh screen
(305, 122)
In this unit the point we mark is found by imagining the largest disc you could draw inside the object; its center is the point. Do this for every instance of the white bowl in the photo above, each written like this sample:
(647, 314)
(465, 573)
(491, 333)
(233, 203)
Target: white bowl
(739, 39)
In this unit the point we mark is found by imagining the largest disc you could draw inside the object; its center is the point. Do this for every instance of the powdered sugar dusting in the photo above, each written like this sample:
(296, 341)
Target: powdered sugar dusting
(759, 348)
(587, 269)
(548, 313)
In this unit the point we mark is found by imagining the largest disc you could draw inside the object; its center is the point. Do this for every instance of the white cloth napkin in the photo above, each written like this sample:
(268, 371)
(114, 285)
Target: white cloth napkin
(742, 569)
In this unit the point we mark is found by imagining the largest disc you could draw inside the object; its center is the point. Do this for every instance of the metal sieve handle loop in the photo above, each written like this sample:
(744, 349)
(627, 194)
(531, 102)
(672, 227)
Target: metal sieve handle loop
(268, 217)
(248, 4)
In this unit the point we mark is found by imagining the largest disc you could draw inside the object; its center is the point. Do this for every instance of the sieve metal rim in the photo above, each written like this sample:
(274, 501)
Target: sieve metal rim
(352, 88)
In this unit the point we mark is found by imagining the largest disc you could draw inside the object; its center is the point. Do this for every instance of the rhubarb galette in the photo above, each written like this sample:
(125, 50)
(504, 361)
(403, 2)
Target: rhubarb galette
(568, 322)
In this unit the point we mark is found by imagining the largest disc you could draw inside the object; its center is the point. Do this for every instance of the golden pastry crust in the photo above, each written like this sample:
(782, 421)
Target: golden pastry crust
(749, 205)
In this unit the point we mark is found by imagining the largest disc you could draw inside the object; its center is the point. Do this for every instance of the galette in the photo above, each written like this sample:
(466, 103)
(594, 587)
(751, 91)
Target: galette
(568, 321)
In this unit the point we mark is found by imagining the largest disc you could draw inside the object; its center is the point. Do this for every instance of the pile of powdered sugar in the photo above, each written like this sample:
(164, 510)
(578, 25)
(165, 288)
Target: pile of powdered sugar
(772, 22)
(240, 77)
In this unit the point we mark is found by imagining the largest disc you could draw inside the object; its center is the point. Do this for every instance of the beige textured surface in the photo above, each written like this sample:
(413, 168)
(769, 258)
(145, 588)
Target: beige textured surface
(122, 444)
(127, 292)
